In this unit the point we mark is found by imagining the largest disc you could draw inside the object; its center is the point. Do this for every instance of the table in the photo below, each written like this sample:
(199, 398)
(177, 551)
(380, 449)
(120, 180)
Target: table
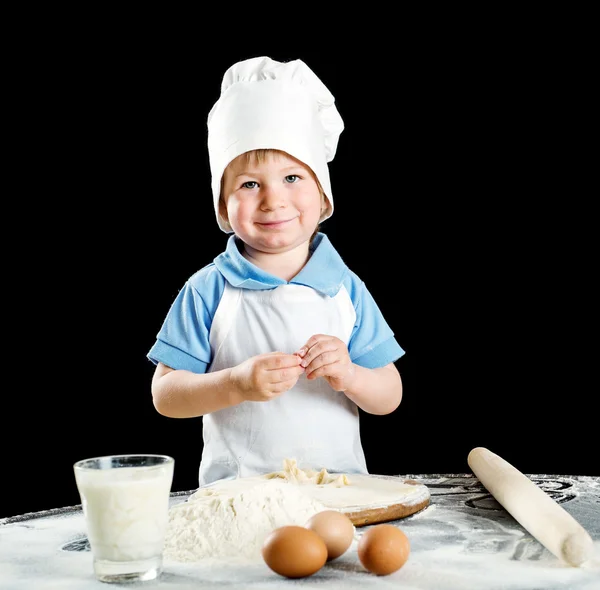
(464, 540)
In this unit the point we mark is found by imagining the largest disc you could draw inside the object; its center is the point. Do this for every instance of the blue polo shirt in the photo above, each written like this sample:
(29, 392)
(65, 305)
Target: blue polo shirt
(183, 341)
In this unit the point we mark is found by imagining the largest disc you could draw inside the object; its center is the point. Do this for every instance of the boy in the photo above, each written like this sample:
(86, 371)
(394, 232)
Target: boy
(276, 343)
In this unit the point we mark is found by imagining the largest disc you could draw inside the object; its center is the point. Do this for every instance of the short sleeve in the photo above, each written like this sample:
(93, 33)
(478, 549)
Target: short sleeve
(372, 343)
(183, 340)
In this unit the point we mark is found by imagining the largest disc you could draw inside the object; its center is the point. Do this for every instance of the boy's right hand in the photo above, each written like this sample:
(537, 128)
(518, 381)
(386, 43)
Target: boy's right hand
(266, 376)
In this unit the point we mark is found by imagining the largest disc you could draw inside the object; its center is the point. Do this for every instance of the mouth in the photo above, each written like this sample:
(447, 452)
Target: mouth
(275, 224)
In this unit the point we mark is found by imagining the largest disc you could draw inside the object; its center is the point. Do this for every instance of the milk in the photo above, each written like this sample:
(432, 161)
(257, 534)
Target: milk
(126, 510)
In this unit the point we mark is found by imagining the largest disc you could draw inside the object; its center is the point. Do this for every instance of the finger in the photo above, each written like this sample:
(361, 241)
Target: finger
(283, 375)
(324, 370)
(284, 386)
(274, 390)
(319, 349)
(281, 361)
(311, 342)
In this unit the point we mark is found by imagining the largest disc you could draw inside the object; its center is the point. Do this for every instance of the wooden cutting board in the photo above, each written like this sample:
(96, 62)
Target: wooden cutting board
(365, 499)
(371, 499)
(395, 511)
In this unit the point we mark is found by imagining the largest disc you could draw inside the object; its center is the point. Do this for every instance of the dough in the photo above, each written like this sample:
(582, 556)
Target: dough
(293, 474)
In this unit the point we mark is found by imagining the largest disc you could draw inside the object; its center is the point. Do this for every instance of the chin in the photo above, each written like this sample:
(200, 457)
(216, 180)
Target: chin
(281, 242)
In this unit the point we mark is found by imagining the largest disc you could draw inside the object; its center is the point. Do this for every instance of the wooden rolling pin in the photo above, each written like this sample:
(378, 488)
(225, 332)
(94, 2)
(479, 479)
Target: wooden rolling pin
(535, 510)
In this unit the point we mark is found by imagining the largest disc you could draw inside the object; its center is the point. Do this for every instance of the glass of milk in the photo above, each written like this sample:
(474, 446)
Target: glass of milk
(125, 501)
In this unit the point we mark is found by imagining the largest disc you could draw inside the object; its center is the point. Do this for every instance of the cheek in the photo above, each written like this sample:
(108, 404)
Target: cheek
(309, 204)
(237, 210)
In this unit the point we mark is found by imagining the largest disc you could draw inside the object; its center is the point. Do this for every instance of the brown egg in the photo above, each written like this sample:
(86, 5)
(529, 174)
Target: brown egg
(383, 549)
(335, 528)
(294, 551)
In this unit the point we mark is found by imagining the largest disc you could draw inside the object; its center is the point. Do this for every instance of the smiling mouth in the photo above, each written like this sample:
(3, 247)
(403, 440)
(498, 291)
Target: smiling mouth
(274, 224)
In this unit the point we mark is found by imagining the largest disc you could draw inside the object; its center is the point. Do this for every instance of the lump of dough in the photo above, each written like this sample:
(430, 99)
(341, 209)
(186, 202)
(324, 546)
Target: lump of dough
(293, 474)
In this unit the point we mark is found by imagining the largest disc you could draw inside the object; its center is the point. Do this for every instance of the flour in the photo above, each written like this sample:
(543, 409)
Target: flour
(236, 526)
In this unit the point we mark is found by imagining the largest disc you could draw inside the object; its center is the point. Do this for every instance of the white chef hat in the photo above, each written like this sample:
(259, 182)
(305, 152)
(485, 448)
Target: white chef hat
(278, 105)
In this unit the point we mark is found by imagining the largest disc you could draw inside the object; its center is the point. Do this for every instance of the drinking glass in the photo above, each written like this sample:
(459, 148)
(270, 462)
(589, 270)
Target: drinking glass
(125, 501)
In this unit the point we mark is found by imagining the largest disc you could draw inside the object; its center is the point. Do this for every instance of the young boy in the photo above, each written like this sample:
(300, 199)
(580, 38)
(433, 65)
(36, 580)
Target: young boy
(276, 343)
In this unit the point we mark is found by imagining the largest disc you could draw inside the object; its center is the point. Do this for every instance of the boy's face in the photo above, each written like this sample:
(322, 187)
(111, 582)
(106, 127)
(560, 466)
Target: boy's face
(272, 206)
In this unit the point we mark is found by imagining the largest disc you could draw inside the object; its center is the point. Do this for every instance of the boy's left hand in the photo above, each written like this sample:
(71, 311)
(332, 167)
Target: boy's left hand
(327, 356)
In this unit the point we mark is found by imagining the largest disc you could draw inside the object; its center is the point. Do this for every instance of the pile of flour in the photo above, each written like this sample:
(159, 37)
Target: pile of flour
(235, 526)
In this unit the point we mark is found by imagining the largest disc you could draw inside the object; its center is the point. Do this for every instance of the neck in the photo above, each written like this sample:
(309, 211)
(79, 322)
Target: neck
(285, 265)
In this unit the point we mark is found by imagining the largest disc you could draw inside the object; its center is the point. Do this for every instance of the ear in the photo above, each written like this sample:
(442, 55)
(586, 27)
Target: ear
(223, 213)
(325, 206)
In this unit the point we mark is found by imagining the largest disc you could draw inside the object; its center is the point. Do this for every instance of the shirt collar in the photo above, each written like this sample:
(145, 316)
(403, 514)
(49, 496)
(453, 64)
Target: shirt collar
(324, 271)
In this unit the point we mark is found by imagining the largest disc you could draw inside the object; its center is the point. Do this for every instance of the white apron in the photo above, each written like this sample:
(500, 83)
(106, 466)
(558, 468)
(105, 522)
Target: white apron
(311, 423)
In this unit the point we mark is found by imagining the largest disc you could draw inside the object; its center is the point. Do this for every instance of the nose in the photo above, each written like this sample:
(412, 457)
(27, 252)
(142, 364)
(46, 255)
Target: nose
(273, 197)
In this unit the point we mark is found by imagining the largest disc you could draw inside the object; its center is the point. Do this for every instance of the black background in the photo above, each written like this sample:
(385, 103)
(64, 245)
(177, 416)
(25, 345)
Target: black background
(448, 205)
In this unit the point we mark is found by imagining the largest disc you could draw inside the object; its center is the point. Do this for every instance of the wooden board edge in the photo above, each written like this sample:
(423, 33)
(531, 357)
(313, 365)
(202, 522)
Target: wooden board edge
(385, 514)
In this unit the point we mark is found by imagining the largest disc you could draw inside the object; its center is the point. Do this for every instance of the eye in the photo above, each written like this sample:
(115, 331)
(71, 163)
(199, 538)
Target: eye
(292, 178)
(250, 184)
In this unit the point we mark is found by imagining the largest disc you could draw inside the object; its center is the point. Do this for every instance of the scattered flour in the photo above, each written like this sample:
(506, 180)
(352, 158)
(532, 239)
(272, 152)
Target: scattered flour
(460, 542)
(221, 526)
